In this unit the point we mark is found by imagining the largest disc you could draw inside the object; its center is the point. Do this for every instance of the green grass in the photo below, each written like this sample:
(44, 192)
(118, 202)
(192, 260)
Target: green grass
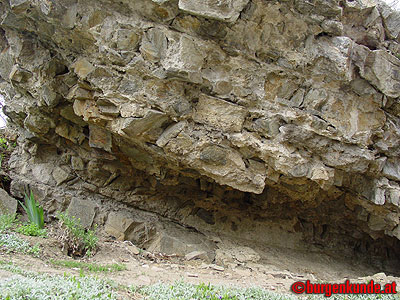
(35, 286)
(7, 222)
(31, 229)
(91, 267)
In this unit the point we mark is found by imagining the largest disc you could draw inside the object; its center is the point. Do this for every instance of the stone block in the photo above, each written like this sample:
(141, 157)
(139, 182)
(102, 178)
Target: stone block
(152, 119)
(61, 175)
(83, 209)
(8, 204)
(118, 225)
(83, 68)
(391, 169)
(227, 10)
(170, 133)
(173, 239)
(382, 69)
(219, 113)
(100, 138)
(184, 59)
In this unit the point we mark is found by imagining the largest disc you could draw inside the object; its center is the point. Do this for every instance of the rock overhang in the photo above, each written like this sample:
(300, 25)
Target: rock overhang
(250, 94)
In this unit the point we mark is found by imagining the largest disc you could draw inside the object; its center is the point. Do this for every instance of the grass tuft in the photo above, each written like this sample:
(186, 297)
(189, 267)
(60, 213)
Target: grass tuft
(31, 229)
(7, 221)
(91, 267)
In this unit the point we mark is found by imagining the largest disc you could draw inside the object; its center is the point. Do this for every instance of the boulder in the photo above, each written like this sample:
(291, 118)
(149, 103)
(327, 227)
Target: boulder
(83, 209)
(8, 204)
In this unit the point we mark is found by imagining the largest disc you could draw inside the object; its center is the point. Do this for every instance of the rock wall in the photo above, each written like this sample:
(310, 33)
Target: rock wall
(268, 121)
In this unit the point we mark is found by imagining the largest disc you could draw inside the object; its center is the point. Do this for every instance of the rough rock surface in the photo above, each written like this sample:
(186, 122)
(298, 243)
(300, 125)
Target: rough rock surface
(268, 121)
(8, 205)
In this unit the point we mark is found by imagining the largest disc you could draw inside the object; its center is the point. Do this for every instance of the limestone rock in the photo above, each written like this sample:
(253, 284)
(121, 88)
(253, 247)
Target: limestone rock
(382, 69)
(267, 121)
(118, 225)
(216, 112)
(83, 67)
(61, 175)
(235, 254)
(99, 138)
(8, 205)
(82, 209)
(174, 240)
(196, 255)
(224, 11)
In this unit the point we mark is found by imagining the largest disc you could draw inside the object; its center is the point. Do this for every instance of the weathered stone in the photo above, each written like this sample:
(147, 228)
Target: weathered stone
(83, 209)
(38, 123)
(173, 240)
(83, 68)
(61, 175)
(118, 225)
(214, 155)
(219, 113)
(154, 44)
(332, 27)
(383, 70)
(286, 136)
(184, 60)
(49, 96)
(77, 163)
(79, 93)
(71, 132)
(236, 254)
(19, 75)
(391, 19)
(67, 112)
(170, 133)
(99, 138)
(391, 169)
(135, 127)
(8, 205)
(224, 11)
(196, 255)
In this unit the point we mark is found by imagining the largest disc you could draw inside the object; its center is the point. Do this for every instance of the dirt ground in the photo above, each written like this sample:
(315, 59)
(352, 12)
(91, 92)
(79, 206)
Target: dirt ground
(277, 273)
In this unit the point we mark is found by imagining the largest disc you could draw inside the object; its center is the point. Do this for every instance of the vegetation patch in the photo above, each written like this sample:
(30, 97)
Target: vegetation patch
(7, 222)
(6, 148)
(185, 291)
(31, 229)
(30, 285)
(91, 267)
(74, 237)
(33, 210)
(11, 243)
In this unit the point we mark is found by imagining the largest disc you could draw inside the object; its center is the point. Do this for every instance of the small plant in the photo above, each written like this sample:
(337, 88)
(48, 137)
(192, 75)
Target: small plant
(186, 291)
(74, 237)
(7, 221)
(32, 229)
(3, 143)
(11, 243)
(32, 285)
(33, 210)
(91, 267)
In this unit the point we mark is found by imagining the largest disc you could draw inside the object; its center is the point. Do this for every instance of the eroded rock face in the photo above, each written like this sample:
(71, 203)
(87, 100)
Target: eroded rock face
(225, 116)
